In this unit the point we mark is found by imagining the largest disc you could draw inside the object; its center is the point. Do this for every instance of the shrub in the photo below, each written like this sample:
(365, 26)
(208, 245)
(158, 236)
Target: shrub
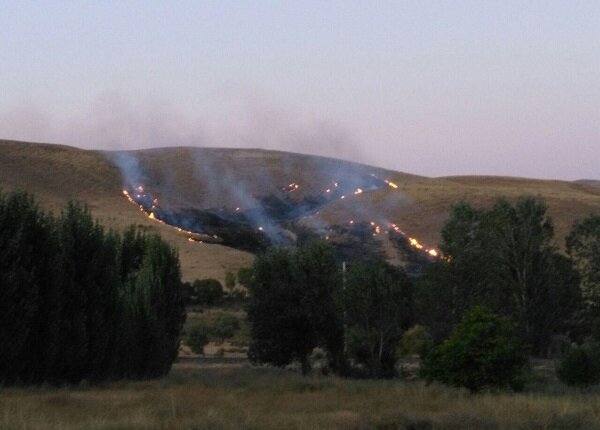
(415, 341)
(197, 338)
(208, 292)
(483, 350)
(223, 326)
(581, 366)
(230, 281)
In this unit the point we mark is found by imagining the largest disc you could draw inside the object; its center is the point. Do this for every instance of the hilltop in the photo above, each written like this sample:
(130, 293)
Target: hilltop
(291, 186)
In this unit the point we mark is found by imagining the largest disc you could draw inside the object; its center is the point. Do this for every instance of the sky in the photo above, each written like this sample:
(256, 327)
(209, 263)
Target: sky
(428, 87)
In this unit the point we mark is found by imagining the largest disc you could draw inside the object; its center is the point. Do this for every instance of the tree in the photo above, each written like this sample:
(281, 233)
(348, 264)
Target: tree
(378, 309)
(222, 327)
(208, 292)
(483, 350)
(503, 258)
(79, 302)
(581, 366)
(161, 305)
(197, 338)
(30, 294)
(415, 341)
(244, 276)
(292, 308)
(583, 246)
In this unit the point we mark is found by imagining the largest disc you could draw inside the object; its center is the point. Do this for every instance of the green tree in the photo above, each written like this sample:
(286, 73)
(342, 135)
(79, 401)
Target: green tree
(79, 302)
(161, 305)
(415, 341)
(208, 292)
(197, 338)
(30, 296)
(244, 276)
(377, 302)
(583, 246)
(292, 308)
(222, 327)
(503, 258)
(581, 366)
(483, 350)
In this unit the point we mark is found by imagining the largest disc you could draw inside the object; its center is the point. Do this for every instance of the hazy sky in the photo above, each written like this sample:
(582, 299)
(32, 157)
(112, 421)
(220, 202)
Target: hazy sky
(428, 87)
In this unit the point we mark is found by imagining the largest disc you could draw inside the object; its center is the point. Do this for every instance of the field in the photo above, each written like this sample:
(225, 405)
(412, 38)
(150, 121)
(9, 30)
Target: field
(203, 395)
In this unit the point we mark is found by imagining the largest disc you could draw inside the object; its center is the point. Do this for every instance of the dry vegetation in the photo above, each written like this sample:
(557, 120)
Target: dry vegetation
(420, 205)
(239, 397)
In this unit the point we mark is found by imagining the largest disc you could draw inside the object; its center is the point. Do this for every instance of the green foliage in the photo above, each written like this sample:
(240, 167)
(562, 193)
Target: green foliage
(223, 326)
(502, 258)
(244, 276)
(292, 309)
(208, 292)
(78, 302)
(415, 341)
(581, 366)
(583, 245)
(377, 303)
(483, 350)
(197, 338)
(230, 281)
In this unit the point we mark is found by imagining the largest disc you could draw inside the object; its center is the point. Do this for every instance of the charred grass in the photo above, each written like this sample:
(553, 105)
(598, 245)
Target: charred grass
(194, 396)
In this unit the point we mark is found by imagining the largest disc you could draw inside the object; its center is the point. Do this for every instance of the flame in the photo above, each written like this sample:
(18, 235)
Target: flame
(291, 187)
(358, 191)
(390, 183)
(152, 216)
(261, 228)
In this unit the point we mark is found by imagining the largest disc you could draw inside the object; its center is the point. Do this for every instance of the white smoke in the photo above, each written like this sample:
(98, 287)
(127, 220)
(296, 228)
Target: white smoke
(116, 122)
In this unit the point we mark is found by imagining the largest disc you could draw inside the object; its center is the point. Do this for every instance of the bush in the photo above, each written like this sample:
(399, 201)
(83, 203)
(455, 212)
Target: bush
(483, 350)
(244, 276)
(197, 338)
(230, 281)
(581, 366)
(208, 292)
(223, 326)
(415, 341)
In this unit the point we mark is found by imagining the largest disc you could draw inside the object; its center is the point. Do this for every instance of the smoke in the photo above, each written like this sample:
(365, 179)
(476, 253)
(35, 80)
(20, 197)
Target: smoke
(116, 122)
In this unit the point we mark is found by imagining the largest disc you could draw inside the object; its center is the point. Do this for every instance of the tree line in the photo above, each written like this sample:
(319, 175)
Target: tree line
(79, 302)
(501, 273)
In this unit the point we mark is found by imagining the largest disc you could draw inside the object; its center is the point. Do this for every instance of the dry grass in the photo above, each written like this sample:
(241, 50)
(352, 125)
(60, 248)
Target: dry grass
(196, 397)
(57, 174)
(420, 205)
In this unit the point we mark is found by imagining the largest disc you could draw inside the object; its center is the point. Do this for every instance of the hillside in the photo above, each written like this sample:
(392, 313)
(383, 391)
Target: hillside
(301, 189)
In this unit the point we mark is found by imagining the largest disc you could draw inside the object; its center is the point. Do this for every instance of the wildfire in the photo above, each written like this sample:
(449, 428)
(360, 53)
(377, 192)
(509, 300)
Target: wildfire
(415, 243)
(152, 216)
(291, 187)
(358, 191)
(390, 184)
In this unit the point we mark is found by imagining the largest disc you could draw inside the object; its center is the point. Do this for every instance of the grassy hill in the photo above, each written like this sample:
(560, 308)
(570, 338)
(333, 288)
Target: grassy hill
(230, 178)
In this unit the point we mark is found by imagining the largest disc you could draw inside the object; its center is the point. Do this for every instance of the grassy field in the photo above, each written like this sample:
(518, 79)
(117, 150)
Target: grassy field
(201, 395)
